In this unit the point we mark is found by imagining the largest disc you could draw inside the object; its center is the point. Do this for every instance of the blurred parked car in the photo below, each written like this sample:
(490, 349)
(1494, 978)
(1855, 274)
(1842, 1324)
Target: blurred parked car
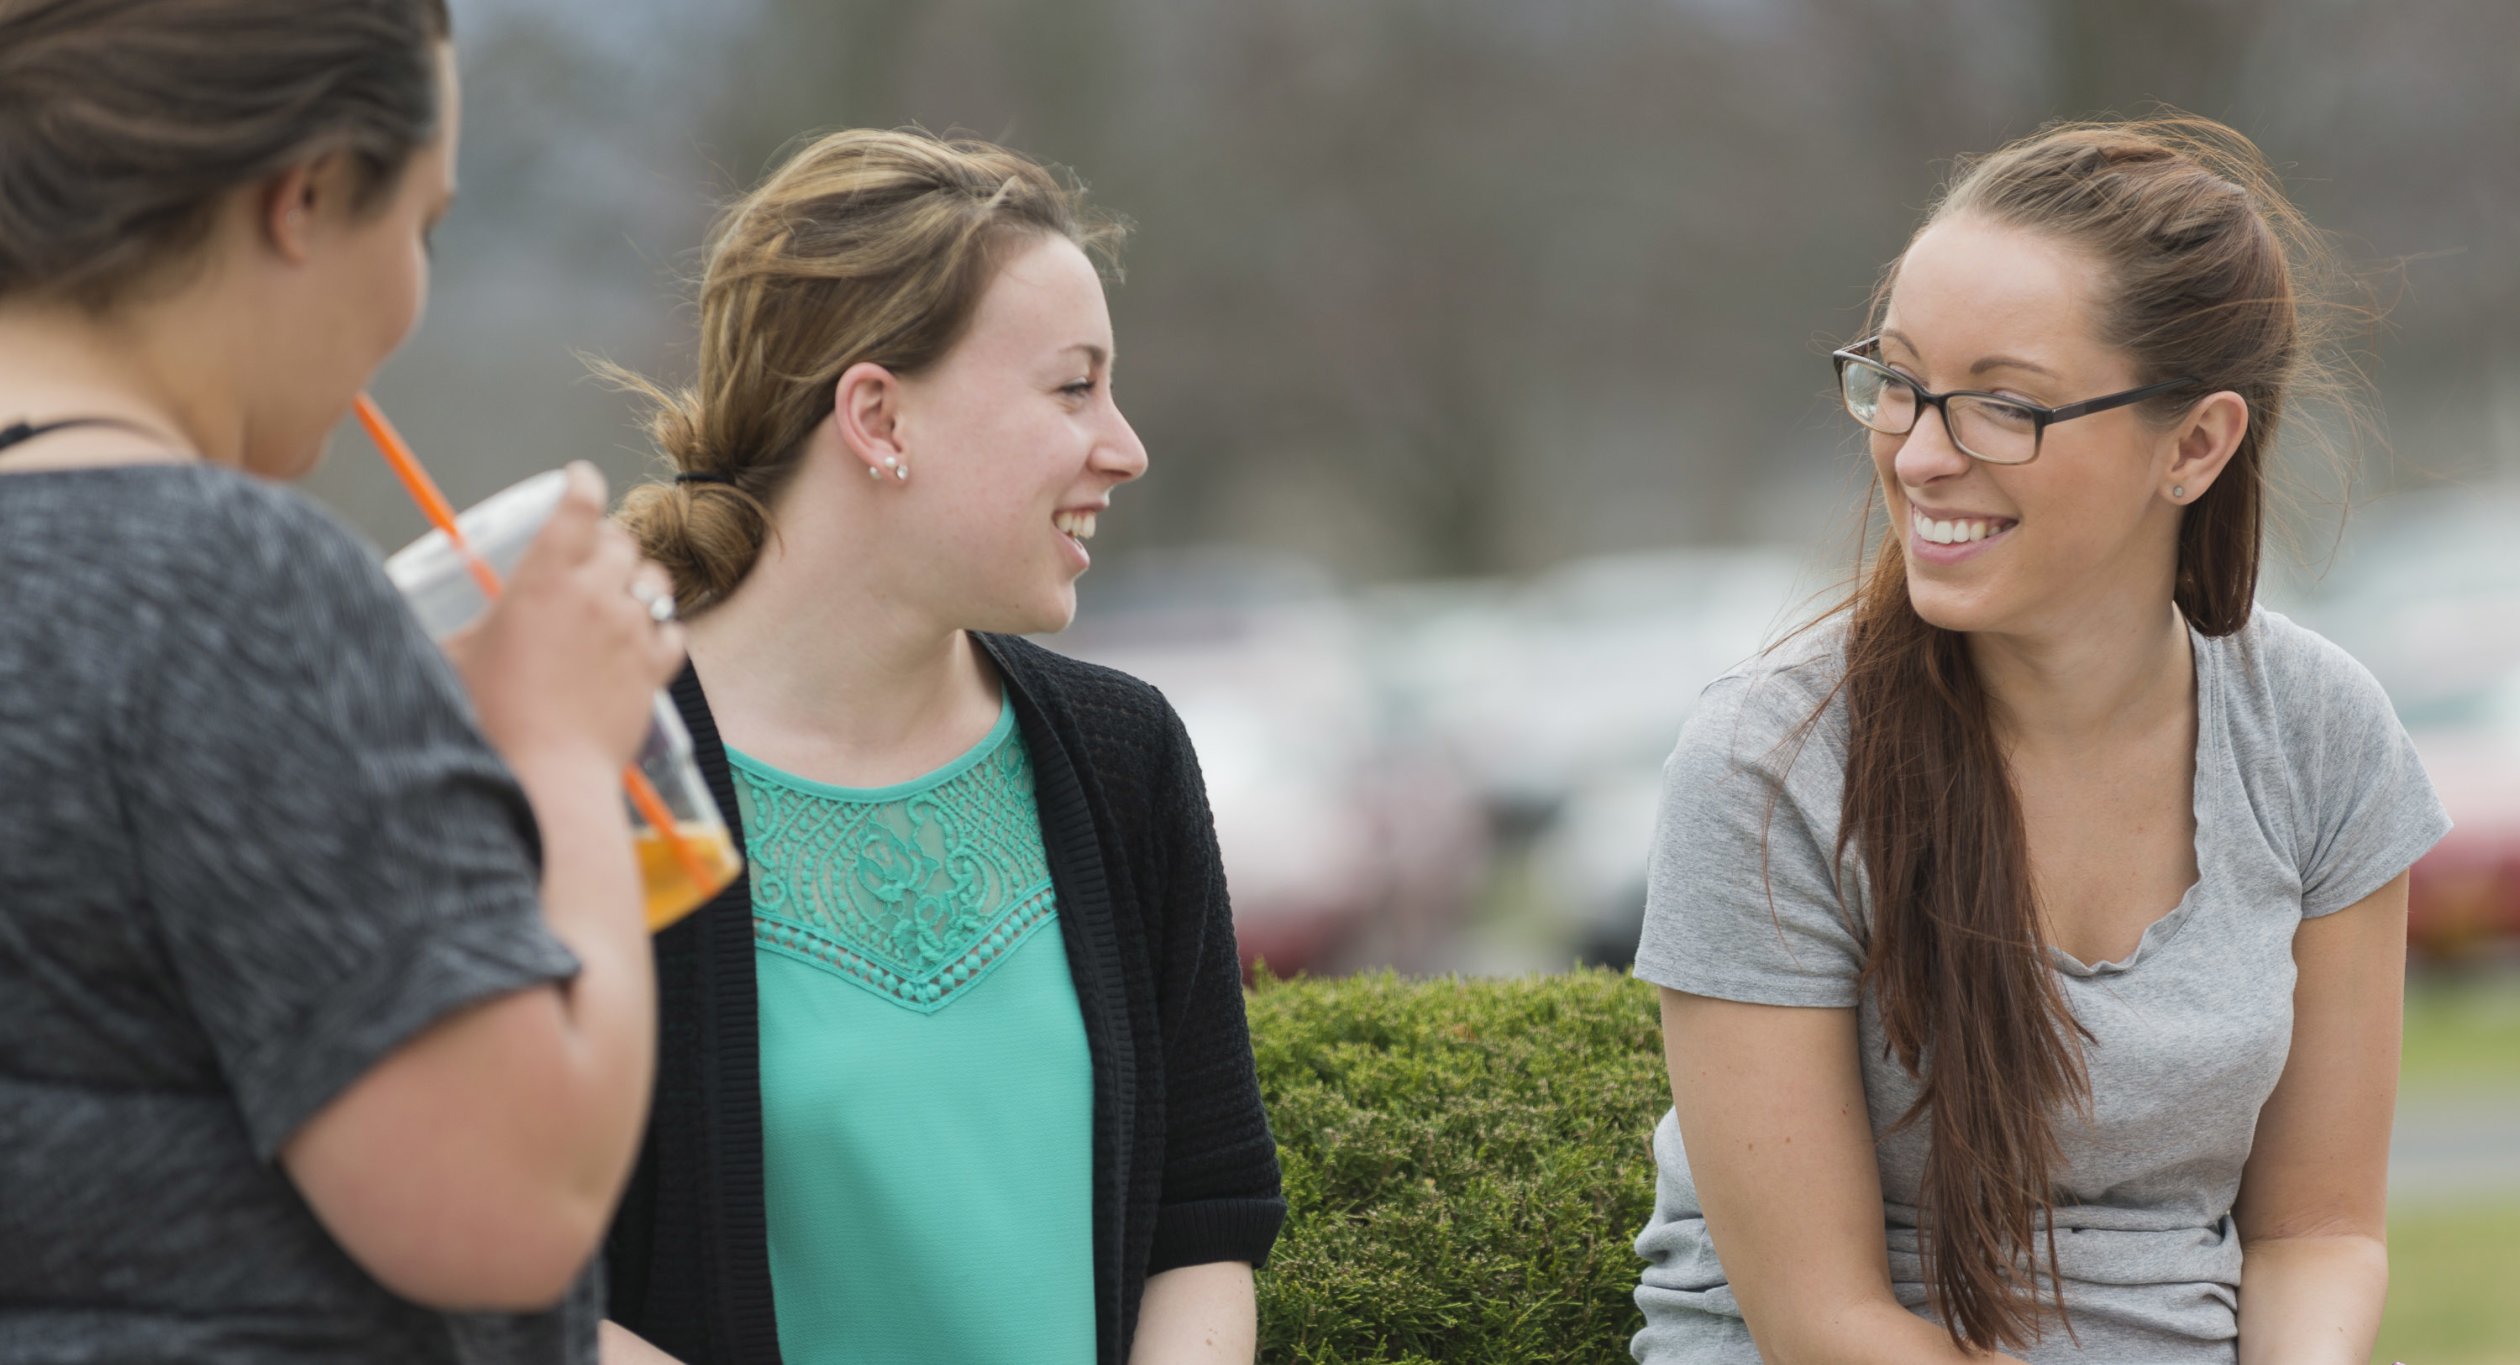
(1564, 696)
(1585, 672)
(2426, 593)
(1343, 843)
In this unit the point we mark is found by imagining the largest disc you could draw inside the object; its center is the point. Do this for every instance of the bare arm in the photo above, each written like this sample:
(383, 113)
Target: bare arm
(475, 1167)
(1770, 1100)
(2313, 1200)
(1198, 1315)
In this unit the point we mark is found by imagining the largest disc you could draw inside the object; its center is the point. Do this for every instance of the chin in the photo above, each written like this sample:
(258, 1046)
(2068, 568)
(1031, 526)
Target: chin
(287, 461)
(1054, 617)
(1041, 615)
(1951, 607)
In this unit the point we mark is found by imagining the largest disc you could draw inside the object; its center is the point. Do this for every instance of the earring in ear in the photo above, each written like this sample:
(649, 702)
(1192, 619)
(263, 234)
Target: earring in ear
(2178, 492)
(873, 473)
(893, 463)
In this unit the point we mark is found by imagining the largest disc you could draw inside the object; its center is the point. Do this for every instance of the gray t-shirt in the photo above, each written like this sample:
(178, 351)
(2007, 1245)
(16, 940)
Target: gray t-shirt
(253, 843)
(2308, 797)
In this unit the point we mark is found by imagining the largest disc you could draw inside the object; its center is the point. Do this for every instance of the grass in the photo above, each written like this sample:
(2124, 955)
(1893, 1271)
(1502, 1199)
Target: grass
(2454, 1270)
(2462, 1034)
(2454, 1286)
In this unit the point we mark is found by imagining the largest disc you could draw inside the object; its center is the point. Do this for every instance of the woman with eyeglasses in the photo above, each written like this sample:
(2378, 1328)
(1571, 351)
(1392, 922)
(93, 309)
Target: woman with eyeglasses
(326, 1008)
(2031, 930)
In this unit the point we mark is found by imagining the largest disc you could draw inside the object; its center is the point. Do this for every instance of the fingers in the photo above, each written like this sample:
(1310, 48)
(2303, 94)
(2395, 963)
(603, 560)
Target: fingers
(666, 653)
(612, 559)
(575, 525)
(651, 582)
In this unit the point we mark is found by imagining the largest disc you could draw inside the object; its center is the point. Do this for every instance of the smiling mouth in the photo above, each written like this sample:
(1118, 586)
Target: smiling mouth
(1958, 530)
(1076, 526)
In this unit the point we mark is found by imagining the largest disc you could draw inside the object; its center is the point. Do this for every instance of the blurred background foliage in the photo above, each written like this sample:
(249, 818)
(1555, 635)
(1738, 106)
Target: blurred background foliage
(1448, 286)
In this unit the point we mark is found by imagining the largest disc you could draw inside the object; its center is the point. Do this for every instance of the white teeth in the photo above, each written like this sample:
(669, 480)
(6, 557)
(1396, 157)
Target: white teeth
(1078, 525)
(1957, 532)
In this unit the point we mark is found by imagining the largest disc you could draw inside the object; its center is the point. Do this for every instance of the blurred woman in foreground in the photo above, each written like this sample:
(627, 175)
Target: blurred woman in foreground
(326, 1010)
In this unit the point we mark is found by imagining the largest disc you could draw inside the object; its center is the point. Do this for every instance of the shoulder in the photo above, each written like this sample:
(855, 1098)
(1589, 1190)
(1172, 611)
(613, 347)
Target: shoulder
(1783, 703)
(2298, 682)
(1118, 728)
(1056, 679)
(1119, 721)
(215, 565)
(257, 543)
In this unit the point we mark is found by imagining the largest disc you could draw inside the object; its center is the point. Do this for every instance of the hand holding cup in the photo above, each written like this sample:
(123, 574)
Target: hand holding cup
(566, 662)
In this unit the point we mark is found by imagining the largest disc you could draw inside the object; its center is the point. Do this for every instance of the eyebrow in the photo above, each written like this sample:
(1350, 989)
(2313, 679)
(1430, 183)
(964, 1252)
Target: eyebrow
(1985, 363)
(1093, 354)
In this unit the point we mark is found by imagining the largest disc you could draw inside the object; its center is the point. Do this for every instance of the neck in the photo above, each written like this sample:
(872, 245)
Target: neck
(142, 370)
(844, 683)
(2116, 672)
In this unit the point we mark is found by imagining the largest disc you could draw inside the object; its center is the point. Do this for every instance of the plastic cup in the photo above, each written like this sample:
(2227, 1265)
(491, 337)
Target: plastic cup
(681, 873)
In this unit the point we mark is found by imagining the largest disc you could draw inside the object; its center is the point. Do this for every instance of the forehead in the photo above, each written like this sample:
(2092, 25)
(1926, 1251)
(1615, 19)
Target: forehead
(1046, 296)
(1971, 287)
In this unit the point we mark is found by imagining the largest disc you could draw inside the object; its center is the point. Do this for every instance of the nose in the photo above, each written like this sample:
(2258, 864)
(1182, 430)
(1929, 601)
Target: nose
(1927, 453)
(1120, 453)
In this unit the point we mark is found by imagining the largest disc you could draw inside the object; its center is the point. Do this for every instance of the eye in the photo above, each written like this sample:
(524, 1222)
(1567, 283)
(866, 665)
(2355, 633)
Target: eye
(1078, 389)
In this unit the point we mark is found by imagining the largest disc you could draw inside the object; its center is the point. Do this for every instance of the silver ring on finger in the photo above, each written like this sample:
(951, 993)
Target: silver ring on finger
(660, 605)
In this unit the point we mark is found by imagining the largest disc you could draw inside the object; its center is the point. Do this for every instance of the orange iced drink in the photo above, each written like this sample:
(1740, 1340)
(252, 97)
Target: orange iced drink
(671, 891)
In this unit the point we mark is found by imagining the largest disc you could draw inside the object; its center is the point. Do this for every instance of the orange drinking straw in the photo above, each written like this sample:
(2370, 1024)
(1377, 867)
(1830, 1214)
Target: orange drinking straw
(441, 514)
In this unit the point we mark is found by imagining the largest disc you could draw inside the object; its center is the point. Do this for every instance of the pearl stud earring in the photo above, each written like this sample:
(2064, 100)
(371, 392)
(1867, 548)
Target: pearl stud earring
(2178, 492)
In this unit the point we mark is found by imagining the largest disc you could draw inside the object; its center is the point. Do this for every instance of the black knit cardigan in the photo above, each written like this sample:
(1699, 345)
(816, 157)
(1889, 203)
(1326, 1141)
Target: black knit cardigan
(1185, 1171)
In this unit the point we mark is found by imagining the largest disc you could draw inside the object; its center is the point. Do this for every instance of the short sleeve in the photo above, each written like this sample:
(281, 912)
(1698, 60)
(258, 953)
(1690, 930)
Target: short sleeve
(1742, 893)
(333, 856)
(2369, 808)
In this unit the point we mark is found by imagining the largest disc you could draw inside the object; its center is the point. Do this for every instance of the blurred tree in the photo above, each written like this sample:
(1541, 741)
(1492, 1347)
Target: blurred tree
(1447, 285)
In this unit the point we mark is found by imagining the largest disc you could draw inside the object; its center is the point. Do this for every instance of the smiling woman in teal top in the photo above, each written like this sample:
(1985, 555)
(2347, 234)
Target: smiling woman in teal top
(914, 995)
(958, 1072)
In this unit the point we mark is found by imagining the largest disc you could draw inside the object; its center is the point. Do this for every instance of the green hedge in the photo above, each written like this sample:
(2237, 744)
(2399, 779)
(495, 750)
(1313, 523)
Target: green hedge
(1467, 1165)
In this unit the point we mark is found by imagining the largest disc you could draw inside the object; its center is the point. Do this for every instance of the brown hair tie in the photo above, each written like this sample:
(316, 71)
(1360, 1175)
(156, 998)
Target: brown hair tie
(702, 476)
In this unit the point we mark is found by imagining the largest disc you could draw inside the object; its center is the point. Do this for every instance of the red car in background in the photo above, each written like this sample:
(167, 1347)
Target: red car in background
(2465, 894)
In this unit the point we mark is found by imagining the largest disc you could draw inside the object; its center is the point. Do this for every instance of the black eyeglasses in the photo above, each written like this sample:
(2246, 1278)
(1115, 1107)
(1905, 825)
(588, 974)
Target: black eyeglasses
(1985, 426)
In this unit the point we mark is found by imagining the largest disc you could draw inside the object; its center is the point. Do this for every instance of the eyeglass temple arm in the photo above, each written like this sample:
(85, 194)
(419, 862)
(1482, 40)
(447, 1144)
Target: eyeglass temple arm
(2115, 400)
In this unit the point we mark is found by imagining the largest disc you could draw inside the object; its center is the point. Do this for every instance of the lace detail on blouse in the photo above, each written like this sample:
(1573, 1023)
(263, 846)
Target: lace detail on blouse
(914, 892)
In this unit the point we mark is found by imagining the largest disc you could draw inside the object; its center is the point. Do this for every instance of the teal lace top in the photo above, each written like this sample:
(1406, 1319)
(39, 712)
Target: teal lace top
(927, 1097)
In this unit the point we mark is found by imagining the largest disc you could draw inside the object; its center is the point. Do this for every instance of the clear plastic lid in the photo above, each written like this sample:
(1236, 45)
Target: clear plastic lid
(433, 577)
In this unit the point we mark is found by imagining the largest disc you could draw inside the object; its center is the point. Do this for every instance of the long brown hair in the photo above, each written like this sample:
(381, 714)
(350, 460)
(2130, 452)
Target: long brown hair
(866, 245)
(2205, 270)
(124, 122)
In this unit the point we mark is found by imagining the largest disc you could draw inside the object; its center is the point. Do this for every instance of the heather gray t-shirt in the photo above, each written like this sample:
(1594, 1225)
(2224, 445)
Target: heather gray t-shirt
(2308, 797)
(252, 843)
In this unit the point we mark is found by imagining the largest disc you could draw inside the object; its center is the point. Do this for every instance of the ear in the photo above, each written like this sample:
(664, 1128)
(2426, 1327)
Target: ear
(866, 410)
(2204, 442)
(293, 204)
